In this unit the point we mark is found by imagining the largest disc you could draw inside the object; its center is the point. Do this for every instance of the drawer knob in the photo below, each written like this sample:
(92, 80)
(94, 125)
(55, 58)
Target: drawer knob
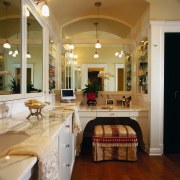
(67, 165)
(67, 126)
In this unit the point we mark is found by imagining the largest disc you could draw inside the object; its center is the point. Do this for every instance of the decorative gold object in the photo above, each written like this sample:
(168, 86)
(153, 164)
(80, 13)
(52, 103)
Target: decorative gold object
(35, 108)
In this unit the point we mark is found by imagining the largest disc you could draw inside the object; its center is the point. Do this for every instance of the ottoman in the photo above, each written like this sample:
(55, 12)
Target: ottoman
(114, 142)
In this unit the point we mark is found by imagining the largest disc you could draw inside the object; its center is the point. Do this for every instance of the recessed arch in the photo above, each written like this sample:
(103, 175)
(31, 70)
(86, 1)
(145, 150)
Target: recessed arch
(107, 24)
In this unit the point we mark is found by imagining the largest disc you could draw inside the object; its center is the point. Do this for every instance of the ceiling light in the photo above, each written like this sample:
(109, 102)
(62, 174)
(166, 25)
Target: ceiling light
(7, 45)
(96, 55)
(28, 55)
(45, 10)
(97, 45)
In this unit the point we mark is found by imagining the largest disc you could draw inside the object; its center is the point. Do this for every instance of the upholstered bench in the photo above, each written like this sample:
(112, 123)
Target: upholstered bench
(114, 142)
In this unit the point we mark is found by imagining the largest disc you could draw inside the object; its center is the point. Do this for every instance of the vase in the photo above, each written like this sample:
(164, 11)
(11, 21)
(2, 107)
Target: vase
(91, 99)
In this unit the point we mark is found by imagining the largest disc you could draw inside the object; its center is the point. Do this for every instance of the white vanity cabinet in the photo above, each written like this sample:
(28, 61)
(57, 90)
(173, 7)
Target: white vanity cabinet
(141, 115)
(66, 149)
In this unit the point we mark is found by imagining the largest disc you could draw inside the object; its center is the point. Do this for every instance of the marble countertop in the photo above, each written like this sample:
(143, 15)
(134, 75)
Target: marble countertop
(49, 125)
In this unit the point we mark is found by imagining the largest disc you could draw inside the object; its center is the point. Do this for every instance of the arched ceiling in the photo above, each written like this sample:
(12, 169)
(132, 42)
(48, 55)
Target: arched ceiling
(116, 17)
(86, 29)
(128, 11)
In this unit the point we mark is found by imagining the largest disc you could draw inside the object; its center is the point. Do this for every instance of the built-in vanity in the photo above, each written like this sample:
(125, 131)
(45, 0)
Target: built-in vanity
(56, 123)
(135, 112)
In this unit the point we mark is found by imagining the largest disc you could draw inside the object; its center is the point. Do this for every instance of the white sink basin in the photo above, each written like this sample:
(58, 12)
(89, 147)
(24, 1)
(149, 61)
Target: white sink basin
(9, 139)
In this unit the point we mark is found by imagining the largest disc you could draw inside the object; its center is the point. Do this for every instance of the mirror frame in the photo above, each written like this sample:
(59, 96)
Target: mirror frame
(26, 4)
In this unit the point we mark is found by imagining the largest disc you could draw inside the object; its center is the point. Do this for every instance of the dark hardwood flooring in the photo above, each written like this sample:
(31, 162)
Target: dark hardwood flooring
(165, 167)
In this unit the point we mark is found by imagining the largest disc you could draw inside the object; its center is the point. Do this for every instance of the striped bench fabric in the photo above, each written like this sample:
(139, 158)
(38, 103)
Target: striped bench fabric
(114, 142)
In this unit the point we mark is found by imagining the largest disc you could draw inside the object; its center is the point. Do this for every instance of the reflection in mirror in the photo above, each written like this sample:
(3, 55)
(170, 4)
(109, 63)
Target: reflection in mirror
(77, 77)
(34, 55)
(115, 59)
(10, 47)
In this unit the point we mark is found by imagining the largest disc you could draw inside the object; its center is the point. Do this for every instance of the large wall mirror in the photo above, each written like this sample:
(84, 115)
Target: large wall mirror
(10, 47)
(34, 57)
(114, 62)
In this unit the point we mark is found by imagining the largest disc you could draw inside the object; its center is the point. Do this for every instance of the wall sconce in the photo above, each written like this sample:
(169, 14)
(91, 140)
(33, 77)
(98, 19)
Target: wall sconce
(44, 8)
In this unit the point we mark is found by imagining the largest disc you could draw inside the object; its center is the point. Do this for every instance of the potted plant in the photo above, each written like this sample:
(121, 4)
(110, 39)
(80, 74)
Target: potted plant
(14, 86)
(91, 91)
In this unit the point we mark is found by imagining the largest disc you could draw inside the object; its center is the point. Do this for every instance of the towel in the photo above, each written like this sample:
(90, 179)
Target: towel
(76, 119)
(46, 150)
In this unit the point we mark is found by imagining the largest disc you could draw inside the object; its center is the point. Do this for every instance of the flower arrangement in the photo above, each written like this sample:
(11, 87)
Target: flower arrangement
(105, 75)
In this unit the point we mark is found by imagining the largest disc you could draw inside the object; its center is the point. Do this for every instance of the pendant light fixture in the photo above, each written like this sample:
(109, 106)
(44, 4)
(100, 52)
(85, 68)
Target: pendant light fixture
(96, 55)
(120, 53)
(97, 45)
(6, 44)
(28, 55)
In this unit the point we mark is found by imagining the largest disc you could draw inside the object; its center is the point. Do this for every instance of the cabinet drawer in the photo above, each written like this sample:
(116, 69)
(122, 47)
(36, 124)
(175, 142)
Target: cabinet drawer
(87, 114)
(139, 113)
(113, 114)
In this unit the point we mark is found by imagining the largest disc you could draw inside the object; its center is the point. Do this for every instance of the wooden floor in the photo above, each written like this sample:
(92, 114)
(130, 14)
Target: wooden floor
(145, 168)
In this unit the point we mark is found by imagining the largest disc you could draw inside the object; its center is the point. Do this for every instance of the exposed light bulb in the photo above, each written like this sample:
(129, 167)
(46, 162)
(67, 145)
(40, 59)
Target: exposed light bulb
(97, 45)
(75, 62)
(45, 10)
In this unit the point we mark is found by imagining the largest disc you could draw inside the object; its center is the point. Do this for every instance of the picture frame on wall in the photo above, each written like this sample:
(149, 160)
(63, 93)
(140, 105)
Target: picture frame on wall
(109, 101)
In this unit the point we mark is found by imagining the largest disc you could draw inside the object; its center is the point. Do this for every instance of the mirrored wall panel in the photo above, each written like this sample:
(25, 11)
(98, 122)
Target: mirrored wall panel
(10, 47)
(34, 56)
(112, 68)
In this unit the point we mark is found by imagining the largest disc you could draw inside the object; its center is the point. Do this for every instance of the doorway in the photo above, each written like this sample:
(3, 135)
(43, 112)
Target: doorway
(171, 93)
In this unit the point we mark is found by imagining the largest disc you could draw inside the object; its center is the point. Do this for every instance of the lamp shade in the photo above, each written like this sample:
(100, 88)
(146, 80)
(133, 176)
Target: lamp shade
(45, 10)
